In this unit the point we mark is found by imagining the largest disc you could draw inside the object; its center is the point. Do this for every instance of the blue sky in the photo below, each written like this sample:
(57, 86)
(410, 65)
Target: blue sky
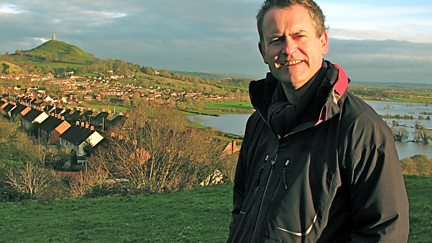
(374, 41)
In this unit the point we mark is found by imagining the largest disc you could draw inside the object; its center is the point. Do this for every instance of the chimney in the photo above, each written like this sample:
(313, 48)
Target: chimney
(53, 37)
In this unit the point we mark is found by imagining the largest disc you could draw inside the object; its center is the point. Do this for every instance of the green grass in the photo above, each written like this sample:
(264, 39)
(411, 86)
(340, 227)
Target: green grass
(217, 108)
(420, 199)
(230, 106)
(61, 51)
(117, 108)
(197, 215)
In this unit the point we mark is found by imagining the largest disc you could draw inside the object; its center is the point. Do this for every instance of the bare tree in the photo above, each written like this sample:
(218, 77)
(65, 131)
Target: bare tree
(400, 134)
(423, 135)
(32, 178)
(87, 179)
(157, 150)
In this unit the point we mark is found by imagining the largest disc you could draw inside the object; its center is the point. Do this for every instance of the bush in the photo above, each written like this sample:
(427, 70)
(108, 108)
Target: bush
(8, 194)
(418, 165)
(121, 189)
(158, 151)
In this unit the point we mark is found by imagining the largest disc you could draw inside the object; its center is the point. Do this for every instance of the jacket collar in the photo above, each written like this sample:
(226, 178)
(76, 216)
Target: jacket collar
(325, 105)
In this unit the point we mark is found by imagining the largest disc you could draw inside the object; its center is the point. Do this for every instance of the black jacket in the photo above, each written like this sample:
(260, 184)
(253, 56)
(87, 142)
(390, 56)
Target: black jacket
(335, 177)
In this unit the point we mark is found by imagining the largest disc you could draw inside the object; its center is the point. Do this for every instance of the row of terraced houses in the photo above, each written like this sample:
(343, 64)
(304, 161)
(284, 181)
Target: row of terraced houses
(73, 128)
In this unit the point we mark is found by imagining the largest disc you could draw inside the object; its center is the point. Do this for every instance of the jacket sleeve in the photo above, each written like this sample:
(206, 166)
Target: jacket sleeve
(378, 196)
(239, 188)
(240, 179)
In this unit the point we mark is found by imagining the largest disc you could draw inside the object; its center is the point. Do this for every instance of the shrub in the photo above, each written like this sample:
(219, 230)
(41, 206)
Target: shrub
(122, 189)
(417, 165)
(9, 194)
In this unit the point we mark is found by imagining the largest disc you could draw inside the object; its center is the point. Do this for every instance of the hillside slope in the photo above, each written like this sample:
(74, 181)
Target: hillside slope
(59, 51)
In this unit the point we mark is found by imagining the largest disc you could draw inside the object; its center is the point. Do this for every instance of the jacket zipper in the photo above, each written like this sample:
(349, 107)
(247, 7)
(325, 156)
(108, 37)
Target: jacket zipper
(273, 162)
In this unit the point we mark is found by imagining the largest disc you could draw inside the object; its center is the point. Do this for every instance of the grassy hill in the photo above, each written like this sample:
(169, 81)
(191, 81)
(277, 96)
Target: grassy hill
(59, 51)
(58, 57)
(197, 215)
(11, 68)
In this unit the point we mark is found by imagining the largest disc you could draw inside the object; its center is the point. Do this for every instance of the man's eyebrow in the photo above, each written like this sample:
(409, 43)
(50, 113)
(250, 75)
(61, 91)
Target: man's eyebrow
(299, 32)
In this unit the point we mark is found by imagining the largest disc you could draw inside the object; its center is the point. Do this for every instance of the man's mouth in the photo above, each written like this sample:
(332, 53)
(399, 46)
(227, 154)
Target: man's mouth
(287, 63)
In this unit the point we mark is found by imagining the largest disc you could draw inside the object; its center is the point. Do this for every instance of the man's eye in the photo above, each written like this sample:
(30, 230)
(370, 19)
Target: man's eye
(299, 36)
(275, 40)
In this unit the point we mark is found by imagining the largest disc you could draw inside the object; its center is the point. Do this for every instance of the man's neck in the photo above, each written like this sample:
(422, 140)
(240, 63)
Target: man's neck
(300, 97)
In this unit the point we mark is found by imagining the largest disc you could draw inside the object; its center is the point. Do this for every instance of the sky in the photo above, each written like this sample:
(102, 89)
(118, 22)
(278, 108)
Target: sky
(375, 41)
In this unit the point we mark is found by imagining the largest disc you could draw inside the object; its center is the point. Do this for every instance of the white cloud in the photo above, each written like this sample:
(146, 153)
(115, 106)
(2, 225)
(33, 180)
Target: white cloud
(9, 9)
(40, 39)
(362, 21)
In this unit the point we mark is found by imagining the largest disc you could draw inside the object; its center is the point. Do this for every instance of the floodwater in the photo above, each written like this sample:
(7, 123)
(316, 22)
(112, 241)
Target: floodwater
(236, 123)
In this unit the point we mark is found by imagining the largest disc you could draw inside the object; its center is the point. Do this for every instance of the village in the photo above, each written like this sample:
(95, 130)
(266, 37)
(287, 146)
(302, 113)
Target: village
(61, 118)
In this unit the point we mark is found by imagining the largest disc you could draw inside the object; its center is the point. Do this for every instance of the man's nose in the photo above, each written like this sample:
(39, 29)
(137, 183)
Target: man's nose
(289, 47)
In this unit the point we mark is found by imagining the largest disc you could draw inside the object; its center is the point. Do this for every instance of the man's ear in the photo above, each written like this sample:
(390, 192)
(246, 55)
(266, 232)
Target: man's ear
(324, 43)
(262, 51)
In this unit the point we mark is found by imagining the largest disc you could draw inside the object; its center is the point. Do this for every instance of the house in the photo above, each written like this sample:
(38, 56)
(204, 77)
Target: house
(32, 117)
(17, 110)
(7, 107)
(72, 117)
(117, 121)
(231, 148)
(78, 138)
(58, 110)
(3, 104)
(99, 120)
(48, 109)
(25, 111)
(51, 129)
(87, 116)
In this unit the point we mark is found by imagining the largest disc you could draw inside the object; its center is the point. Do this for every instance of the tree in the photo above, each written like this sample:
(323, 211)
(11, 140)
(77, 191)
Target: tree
(400, 134)
(5, 68)
(422, 135)
(32, 178)
(156, 150)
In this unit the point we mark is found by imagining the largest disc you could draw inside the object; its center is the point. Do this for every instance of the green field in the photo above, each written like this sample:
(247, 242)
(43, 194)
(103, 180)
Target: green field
(116, 108)
(246, 106)
(197, 215)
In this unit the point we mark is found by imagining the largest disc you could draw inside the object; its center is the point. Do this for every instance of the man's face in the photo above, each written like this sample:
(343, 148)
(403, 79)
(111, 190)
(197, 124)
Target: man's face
(290, 45)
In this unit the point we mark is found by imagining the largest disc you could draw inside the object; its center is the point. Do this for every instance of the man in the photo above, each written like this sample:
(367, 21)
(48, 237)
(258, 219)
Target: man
(317, 164)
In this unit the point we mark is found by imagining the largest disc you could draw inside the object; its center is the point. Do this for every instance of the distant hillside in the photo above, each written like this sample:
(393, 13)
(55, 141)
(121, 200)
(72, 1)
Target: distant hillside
(59, 51)
(7, 67)
(214, 76)
(58, 57)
